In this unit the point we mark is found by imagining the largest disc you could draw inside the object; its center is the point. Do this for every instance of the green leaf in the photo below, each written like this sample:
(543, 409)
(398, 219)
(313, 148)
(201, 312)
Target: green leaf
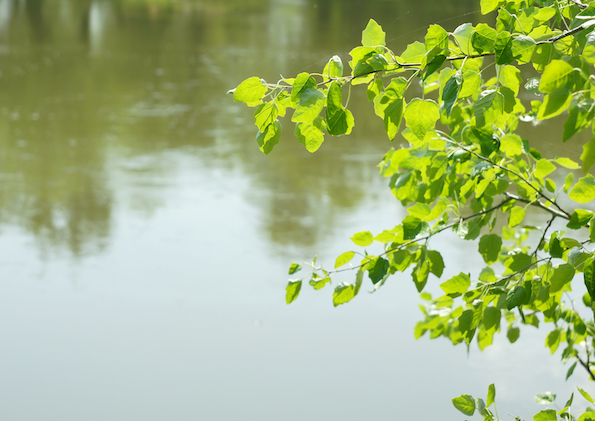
(586, 395)
(269, 138)
(310, 135)
(522, 48)
(363, 239)
(489, 247)
(588, 155)
(580, 116)
(552, 340)
(436, 262)
(419, 211)
(293, 290)
(421, 116)
(555, 103)
(302, 82)
(411, 227)
(491, 317)
(545, 398)
(465, 404)
(488, 6)
(311, 104)
(379, 270)
(567, 163)
(562, 275)
(250, 91)
(484, 38)
(579, 218)
(339, 120)
(451, 92)
(319, 283)
(503, 48)
(546, 415)
(390, 105)
(334, 67)
(491, 395)
(373, 35)
(344, 259)
(584, 190)
(569, 373)
(519, 262)
(589, 276)
(510, 77)
(294, 267)
(458, 284)
(463, 34)
(515, 297)
(568, 182)
(543, 167)
(343, 294)
(511, 145)
(265, 115)
(513, 334)
(517, 214)
(557, 74)
(589, 50)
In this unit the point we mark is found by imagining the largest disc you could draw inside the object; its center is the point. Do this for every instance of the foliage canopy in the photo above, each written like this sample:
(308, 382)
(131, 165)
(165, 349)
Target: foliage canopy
(458, 99)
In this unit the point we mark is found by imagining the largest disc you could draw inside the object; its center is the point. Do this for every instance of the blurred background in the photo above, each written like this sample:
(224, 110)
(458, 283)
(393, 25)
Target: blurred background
(145, 240)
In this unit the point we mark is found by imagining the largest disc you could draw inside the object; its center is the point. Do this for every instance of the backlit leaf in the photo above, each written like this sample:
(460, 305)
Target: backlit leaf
(489, 247)
(584, 190)
(557, 74)
(363, 239)
(458, 284)
(343, 293)
(249, 91)
(563, 274)
(373, 35)
(588, 155)
(491, 394)
(294, 267)
(465, 404)
(421, 116)
(344, 258)
(269, 138)
(517, 214)
(545, 415)
(292, 291)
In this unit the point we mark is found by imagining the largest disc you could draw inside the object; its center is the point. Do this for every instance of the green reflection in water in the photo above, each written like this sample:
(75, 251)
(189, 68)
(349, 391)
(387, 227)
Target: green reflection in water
(90, 88)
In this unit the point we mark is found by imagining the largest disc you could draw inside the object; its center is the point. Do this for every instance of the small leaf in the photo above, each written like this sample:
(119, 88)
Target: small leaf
(589, 276)
(373, 35)
(294, 267)
(363, 239)
(293, 290)
(249, 91)
(569, 373)
(491, 395)
(343, 293)
(567, 163)
(319, 283)
(568, 182)
(465, 404)
(489, 247)
(379, 270)
(436, 262)
(563, 274)
(586, 395)
(516, 296)
(269, 138)
(546, 415)
(513, 334)
(588, 155)
(579, 218)
(458, 284)
(344, 258)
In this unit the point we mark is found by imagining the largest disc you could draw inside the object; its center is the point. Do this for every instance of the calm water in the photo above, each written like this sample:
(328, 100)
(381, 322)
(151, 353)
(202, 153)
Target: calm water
(144, 239)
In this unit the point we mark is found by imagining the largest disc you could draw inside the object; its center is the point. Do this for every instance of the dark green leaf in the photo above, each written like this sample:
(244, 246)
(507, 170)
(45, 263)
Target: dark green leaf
(436, 262)
(588, 155)
(513, 334)
(519, 262)
(503, 48)
(379, 270)
(302, 82)
(484, 38)
(489, 247)
(451, 92)
(569, 373)
(515, 297)
(411, 227)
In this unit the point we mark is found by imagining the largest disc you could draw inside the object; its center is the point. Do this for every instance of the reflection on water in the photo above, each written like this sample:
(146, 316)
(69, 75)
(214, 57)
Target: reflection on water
(88, 83)
(145, 238)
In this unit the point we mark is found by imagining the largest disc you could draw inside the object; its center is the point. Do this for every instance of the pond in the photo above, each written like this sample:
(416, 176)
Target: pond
(145, 240)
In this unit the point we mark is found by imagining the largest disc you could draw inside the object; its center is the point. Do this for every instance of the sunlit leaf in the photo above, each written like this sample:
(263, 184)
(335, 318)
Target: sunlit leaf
(489, 247)
(250, 91)
(292, 291)
(269, 138)
(458, 284)
(373, 35)
(588, 155)
(557, 74)
(584, 190)
(465, 404)
(344, 258)
(363, 239)
(343, 294)
(421, 116)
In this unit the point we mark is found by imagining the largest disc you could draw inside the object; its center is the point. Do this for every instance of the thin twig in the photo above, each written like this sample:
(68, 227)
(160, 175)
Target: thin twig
(549, 224)
(586, 366)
